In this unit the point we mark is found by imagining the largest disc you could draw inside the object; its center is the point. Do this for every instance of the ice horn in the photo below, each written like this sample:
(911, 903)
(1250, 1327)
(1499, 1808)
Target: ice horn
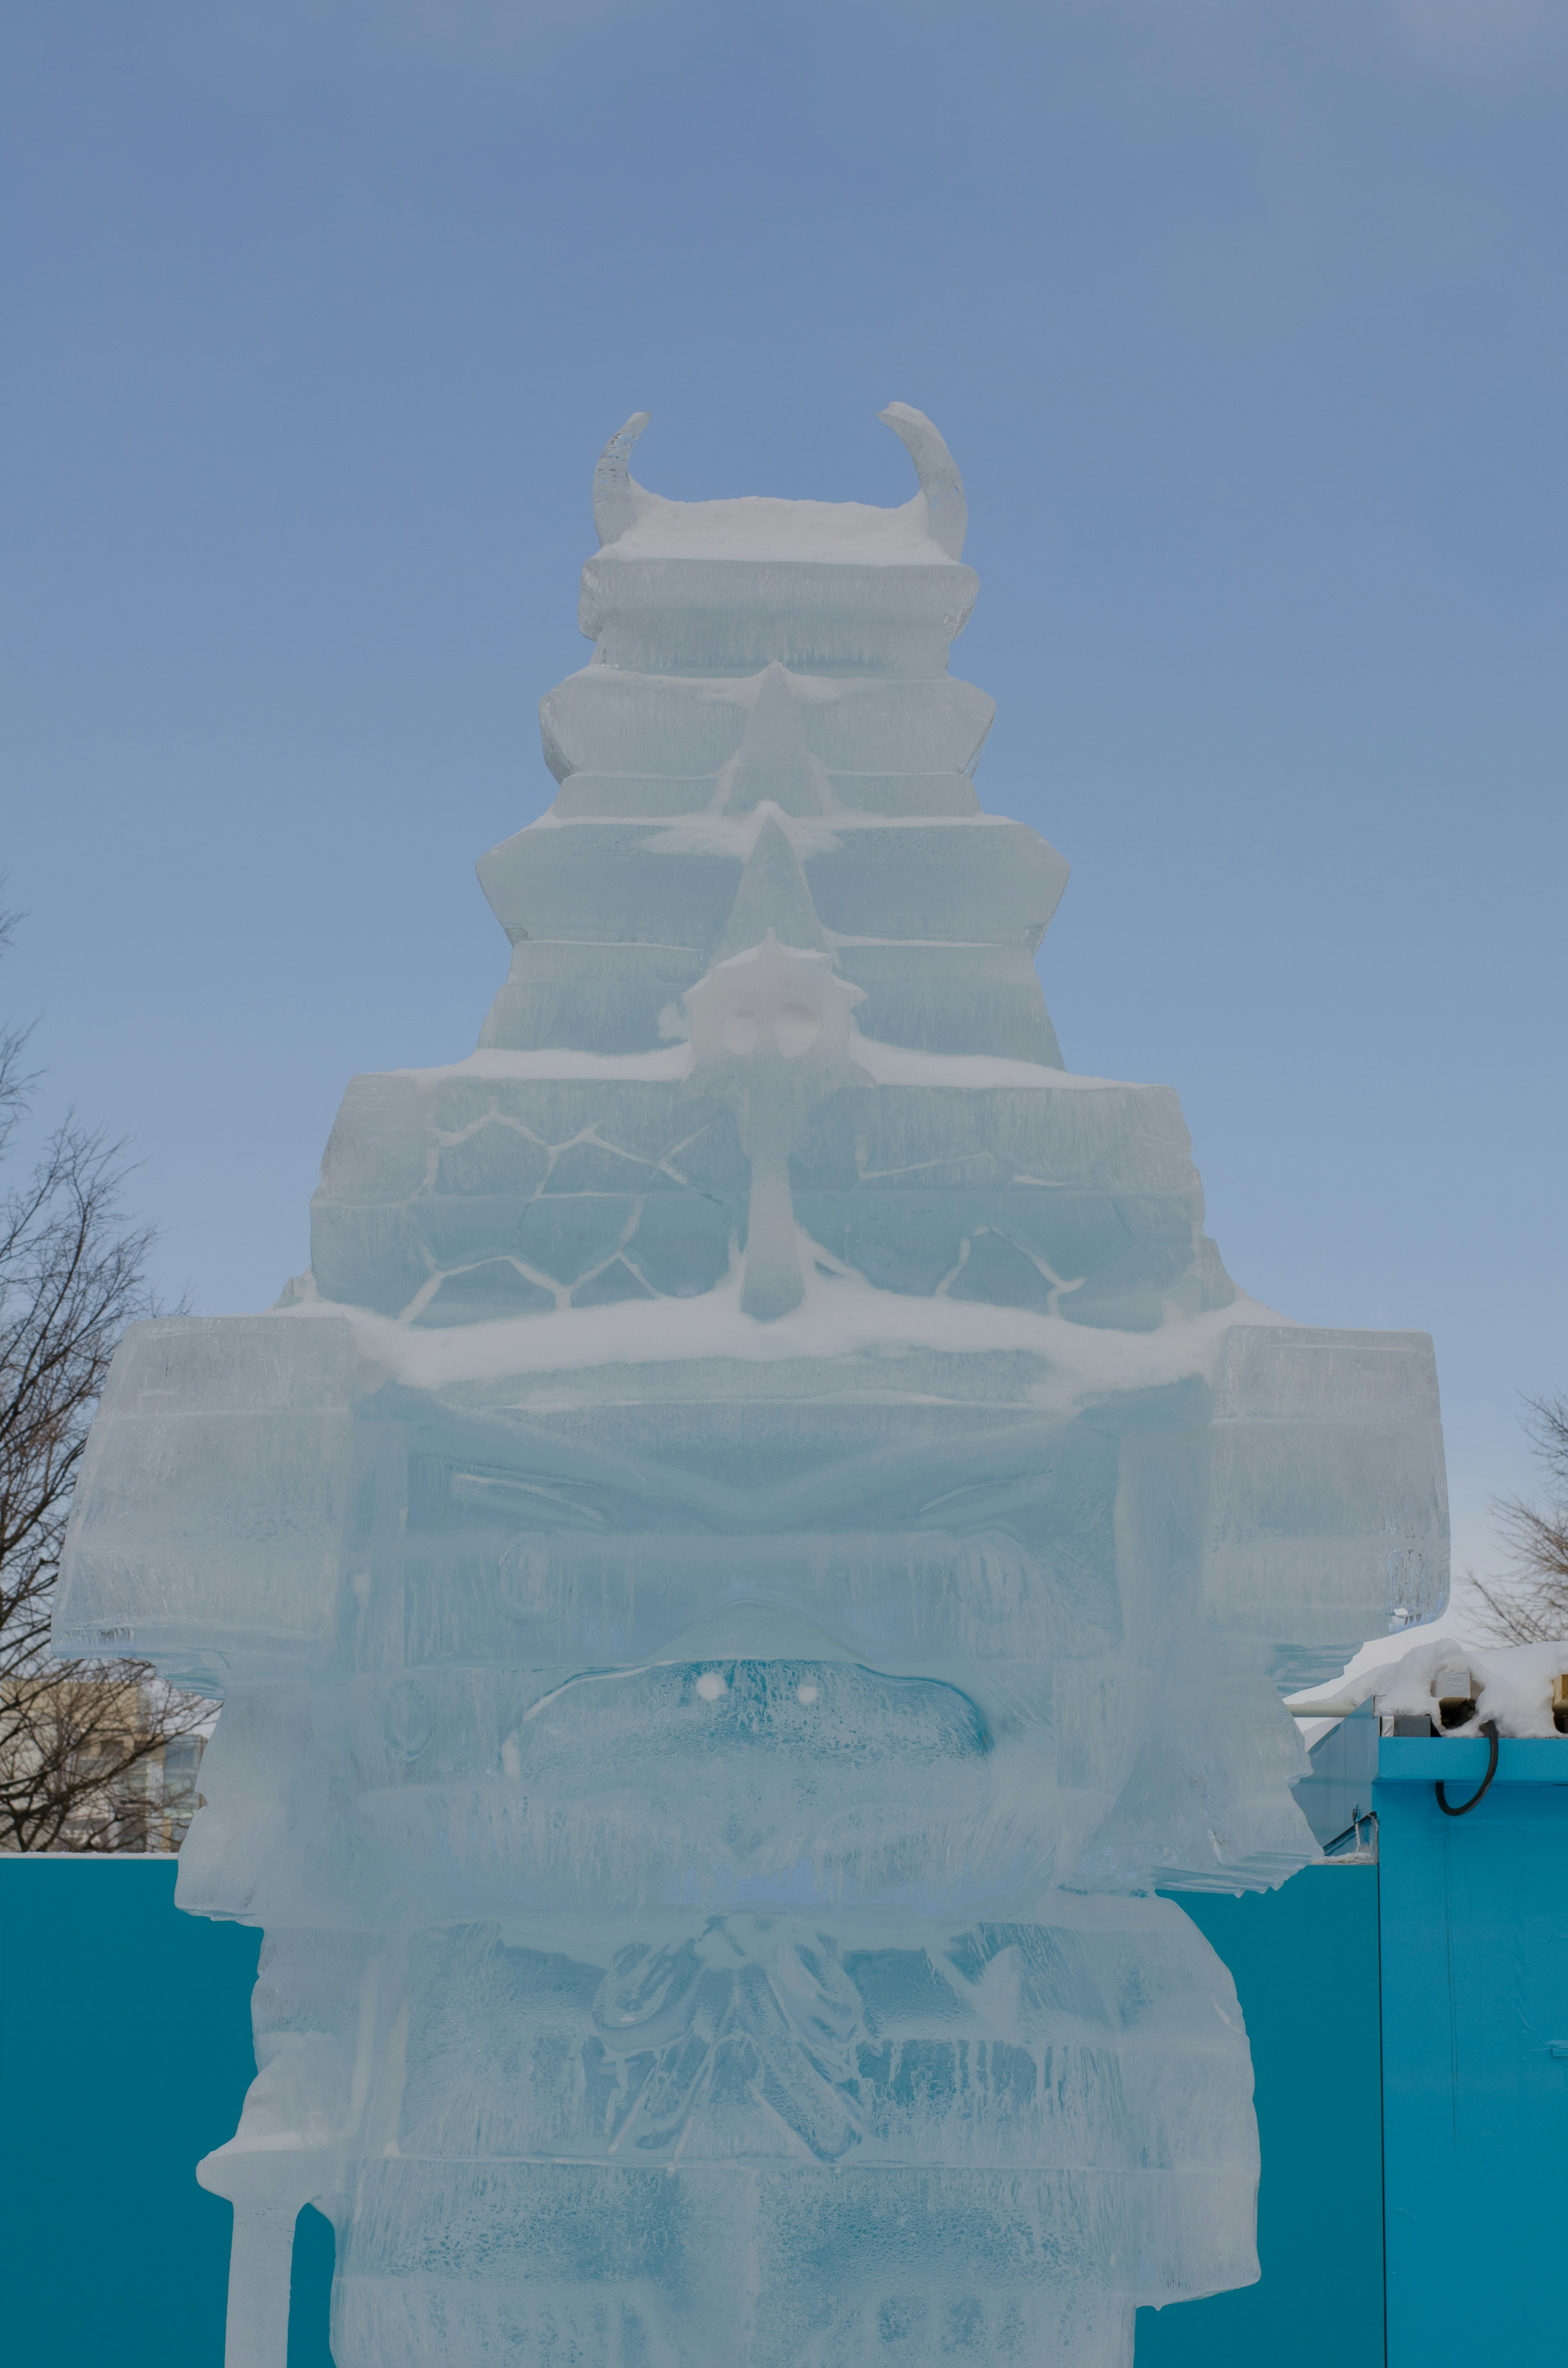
(615, 504)
(946, 508)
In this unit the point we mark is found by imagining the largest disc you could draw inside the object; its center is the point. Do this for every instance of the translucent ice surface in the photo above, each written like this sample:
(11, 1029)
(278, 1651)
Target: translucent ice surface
(764, 1534)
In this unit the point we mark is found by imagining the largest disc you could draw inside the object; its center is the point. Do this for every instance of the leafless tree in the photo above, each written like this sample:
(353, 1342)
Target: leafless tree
(81, 1744)
(1530, 1605)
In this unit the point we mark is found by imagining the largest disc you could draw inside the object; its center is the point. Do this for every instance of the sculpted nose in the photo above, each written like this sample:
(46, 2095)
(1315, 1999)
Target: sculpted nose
(795, 1029)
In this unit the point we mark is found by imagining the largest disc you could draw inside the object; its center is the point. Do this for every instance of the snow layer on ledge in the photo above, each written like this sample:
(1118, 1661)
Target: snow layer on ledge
(763, 527)
(667, 1066)
(887, 1065)
(1514, 1684)
(899, 1064)
(840, 1318)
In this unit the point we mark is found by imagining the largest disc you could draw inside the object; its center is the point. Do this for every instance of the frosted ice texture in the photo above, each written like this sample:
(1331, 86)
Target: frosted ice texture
(766, 1532)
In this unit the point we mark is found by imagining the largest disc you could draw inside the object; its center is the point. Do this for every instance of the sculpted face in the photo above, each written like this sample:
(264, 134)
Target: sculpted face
(841, 1684)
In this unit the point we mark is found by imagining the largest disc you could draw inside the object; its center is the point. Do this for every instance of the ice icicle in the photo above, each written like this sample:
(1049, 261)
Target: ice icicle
(261, 2261)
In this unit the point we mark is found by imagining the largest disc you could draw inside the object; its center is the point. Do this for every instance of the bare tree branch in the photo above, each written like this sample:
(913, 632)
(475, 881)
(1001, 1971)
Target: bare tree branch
(82, 1744)
(1530, 1605)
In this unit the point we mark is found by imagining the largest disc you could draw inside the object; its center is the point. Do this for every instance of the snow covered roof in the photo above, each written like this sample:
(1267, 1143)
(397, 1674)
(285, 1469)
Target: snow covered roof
(926, 531)
(763, 526)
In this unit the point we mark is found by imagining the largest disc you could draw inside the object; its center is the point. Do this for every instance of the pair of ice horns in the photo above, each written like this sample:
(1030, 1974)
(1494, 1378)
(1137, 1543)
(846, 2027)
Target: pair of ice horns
(617, 506)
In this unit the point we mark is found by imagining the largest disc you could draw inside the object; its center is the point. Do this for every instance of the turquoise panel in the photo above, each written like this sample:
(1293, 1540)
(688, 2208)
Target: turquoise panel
(127, 2050)
(1305, 1964)
(1475, 2045)
(125, 2053)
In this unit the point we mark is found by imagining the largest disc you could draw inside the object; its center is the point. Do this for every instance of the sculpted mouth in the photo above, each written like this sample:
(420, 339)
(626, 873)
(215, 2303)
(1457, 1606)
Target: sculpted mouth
(725, 1781)
(831, 1713)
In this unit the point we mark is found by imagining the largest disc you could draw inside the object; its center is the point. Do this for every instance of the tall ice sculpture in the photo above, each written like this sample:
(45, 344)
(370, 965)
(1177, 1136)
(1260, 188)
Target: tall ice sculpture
(764, 1534)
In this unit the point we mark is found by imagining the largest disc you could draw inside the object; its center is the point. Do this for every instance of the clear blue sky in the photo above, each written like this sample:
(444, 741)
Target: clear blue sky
(1245, 320)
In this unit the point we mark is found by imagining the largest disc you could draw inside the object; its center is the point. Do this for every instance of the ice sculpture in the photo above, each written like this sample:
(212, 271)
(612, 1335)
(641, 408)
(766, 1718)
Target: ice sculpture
(765, 1534)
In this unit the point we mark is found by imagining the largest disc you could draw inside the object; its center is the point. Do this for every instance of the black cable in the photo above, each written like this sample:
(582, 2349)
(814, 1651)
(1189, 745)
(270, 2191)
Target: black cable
(1489, 1728)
